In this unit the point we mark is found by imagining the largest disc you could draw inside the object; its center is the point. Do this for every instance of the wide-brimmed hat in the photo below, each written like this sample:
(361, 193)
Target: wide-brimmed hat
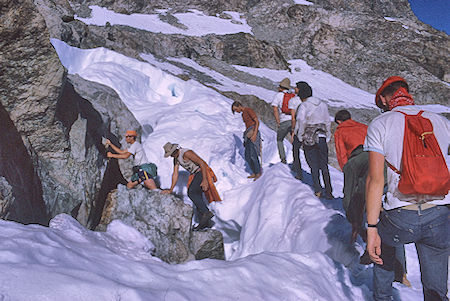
(169, 149)
(285, 83)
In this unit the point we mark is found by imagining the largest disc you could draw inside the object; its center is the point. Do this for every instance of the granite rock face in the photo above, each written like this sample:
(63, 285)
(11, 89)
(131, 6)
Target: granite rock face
(165, 220)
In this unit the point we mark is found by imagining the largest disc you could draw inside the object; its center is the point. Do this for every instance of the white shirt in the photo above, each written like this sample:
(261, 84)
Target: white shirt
(137, 151)
(294, 102)
(385, 136)
(312, 111)
(278, 102)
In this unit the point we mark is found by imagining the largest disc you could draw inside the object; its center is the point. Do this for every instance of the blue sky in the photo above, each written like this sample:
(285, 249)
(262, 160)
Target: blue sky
(433, 12)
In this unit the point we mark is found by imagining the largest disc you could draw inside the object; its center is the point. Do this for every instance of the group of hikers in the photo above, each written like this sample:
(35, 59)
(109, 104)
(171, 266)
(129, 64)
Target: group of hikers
(396, 177)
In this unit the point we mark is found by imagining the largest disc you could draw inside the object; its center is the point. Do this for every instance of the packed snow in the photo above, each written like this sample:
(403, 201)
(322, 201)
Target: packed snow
(281, 242)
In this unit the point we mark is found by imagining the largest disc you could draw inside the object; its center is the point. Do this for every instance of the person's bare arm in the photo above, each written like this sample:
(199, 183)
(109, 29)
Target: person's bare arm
(255, 129)
(174, 179)
(118, 156)
(276, 114)
(115, 148)
(196, 159)
(374, 193)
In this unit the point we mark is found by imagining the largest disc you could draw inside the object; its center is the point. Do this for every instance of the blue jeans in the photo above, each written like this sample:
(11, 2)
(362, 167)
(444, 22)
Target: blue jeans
(317, 159)
(429, 230)
(251, 156)
(195, 193)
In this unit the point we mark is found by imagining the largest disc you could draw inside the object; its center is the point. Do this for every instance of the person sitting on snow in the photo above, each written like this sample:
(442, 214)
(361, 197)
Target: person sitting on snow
(312, 128)
(252, 137)
(143, 171)
(201, 179)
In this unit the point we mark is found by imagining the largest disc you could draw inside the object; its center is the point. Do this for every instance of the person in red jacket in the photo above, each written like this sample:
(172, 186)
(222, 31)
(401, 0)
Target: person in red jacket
(348, 136)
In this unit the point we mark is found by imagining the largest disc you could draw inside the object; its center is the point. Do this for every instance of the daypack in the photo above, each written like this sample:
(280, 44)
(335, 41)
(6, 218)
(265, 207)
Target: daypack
(423, 167)
(284, 108)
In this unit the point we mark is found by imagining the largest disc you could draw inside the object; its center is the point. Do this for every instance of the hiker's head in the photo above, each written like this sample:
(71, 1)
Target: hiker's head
(170, 149)
(130, 136)
(303, 90)
(341, 116)
(285, 84)
(389, 87)
(236, 107)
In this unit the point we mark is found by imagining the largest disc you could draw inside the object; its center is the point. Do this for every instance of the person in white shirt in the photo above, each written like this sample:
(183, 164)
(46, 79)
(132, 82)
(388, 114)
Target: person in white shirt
(284, 120)
(143, 171)
(421, 219)
(312, 128)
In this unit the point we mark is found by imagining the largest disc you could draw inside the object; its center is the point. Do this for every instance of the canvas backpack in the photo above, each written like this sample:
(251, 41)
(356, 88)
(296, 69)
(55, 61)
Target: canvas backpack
(285, 106)
(423, 168)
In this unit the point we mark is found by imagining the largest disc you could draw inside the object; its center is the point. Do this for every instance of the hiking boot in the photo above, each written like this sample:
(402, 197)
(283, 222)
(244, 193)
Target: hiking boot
(204, 221)
(405, 281)
(283, 161)
(251, 176)
(318, 194)
(299, 177)
(257, 177)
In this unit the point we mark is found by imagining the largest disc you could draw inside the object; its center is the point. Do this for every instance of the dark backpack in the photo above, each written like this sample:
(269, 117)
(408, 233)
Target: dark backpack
(285, 106)
(423, 167)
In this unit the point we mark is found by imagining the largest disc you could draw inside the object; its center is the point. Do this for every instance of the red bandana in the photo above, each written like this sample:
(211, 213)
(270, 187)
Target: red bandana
(401, 97)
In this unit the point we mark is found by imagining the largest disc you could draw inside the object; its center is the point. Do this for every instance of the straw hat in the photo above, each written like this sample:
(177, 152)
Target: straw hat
(169, 149)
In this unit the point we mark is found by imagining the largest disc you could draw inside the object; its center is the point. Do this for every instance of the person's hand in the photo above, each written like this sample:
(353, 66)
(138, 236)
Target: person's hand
(374, 245)
(108, 142)
(253, 138)
(109, 155)
(204, 185)
(166, 191)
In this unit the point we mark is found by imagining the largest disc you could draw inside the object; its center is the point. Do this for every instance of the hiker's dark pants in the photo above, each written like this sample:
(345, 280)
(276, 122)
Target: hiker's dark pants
(195, 193)
(297, 165)
(251, 156)
(429, 230)
(317, 159)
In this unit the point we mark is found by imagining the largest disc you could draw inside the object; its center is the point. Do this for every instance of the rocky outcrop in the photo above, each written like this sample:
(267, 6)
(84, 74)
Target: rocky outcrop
(375, 38)
(165, 220)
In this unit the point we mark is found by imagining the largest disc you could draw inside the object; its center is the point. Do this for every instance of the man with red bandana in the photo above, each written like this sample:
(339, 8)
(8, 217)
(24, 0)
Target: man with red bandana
(421, 219)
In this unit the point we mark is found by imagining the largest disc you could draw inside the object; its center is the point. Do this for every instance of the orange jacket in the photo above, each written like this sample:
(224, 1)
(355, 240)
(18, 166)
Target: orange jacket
(348, 135)
(211, 194)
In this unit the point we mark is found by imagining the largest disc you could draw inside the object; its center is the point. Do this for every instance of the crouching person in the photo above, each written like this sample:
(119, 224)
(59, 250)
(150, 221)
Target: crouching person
(143, 171)
(201, 180)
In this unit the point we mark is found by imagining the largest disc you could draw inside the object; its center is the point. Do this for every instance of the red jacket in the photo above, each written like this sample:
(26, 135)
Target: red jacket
(348, 135)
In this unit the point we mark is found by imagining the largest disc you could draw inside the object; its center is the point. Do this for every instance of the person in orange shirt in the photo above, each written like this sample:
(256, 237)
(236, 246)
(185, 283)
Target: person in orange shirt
(348, 136)
(252, 138)
(354, 162)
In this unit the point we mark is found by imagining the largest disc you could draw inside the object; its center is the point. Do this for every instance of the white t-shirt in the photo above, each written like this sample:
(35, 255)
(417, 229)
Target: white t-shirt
(278, 102)
(294, 102)
(137, 151)
(385, 136)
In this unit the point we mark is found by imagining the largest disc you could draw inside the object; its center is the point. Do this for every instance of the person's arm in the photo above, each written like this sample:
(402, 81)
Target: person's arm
(276, 114)
(174, 179)
(300, 122)
(255, 128)
(190, 155)
(374, 193)
(115, 148)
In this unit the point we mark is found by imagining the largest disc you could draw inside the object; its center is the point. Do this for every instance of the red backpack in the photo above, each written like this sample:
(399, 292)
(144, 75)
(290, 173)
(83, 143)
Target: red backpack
(284, 108)
(423, 167)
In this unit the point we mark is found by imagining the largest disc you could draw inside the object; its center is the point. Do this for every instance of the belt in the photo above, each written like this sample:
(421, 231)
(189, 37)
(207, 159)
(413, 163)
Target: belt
(416, 207)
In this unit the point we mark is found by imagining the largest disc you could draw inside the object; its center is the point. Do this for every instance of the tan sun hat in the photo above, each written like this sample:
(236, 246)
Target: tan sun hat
(169, 149)
(285, 83)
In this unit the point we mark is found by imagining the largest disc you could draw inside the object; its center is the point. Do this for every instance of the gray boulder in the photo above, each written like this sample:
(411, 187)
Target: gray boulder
(165, 220)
